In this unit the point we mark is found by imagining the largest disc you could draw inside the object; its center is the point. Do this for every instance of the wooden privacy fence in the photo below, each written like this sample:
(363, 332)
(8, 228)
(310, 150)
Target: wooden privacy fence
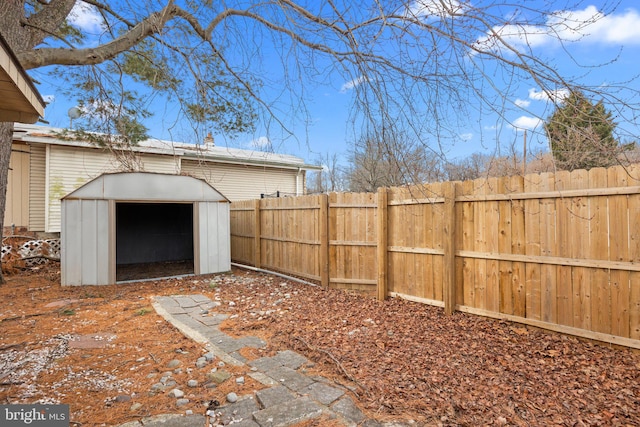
(558, 251)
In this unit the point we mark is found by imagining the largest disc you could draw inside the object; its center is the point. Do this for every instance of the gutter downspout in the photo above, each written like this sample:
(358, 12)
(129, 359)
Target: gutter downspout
(298, 188)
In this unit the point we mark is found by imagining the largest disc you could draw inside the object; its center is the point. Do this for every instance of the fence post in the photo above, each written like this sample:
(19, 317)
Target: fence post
(257, 256)
(324, 240)
(382, 244)
(449, 246)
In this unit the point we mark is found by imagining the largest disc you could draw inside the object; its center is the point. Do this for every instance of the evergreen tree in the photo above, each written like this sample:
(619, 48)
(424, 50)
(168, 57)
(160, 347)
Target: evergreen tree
(581, 134)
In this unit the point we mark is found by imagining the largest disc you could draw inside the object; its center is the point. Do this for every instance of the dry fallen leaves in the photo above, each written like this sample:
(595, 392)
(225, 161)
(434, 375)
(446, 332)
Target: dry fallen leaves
(402, 360)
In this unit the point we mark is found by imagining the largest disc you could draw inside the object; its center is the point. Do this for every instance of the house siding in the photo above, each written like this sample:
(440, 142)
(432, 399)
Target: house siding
(38, 173)
(71, 167)
(242, 182)
(17, 203)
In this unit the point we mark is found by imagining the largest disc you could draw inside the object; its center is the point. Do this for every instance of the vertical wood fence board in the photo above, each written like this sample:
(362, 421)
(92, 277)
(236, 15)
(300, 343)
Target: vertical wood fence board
(382, 252)
(599, 249)
(634, 254)
(347, 251)
(563, 227)
(518, 247)
(439, 217)
(532, 239)
(333, 235)
(619, 251)
(548, 240)
(468, 273)
(448, 236)
(413, 227)
(395, 280)
(580, 221)
(459, 244)
(480, 245)
(491, 233)
(504, 246)
(324, 236)
(257, 235)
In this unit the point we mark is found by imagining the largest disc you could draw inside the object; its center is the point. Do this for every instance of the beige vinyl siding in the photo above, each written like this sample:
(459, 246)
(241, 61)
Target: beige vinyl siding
(242, 182)
(37, 179)
(17, 202)
(71, 167)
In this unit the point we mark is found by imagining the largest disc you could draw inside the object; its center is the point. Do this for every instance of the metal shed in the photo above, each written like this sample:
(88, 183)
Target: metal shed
(140, 225)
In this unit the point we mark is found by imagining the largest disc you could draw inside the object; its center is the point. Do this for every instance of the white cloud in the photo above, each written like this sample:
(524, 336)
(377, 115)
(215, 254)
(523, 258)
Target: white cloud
(556, 95)
(48, 99)
(466, 136)
(522, 103)
(587, 26)
(352, 84)
(86, 17)
(434, 8)
(526, 122)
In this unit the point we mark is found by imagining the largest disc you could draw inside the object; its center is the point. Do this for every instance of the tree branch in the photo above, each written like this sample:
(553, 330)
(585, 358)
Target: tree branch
(153, 24)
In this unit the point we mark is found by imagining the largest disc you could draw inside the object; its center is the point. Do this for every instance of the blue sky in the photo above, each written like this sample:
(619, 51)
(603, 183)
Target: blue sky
(608, 52)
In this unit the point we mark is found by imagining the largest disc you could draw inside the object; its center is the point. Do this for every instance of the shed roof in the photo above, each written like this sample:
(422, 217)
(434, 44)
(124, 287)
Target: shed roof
(147, 187)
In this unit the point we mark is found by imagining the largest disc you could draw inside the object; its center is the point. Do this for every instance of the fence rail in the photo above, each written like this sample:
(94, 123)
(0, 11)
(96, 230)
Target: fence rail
(559, 251)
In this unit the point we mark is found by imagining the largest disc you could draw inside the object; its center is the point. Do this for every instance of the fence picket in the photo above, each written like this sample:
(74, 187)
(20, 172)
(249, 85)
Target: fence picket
(619, 251)
(532, 238)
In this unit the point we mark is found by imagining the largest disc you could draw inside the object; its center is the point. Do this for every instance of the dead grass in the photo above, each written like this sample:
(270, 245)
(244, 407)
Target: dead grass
(39, 319)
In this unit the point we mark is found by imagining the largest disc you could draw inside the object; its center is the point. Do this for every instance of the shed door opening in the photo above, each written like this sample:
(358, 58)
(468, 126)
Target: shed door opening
(153, 240)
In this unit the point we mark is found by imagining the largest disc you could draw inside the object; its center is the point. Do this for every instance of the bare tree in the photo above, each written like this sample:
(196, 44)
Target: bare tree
(415, 66)
(390, 160)
(330, 179)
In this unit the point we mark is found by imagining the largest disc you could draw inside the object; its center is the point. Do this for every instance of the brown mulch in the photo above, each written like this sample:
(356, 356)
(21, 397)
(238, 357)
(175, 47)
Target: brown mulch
(400, 360)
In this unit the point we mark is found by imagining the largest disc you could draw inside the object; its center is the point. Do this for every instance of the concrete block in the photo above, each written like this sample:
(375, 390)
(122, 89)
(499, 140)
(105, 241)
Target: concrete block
(288, 413)
(212, 320)
(185, 302)
(347, 409)
(290, 359)
(236, 355)
(323, 393)
(199, 298)
(265, 364)
(253, 342)
(263, 379)
(168, 421)
(290, 378)
(240, 411)
(273, 396)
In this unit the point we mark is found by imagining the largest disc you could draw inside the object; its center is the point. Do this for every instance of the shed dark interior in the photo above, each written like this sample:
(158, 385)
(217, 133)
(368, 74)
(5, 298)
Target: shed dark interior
(154, 240)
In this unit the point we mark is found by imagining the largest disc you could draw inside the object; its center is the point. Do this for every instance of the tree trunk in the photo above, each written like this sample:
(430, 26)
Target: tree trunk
(6, 138)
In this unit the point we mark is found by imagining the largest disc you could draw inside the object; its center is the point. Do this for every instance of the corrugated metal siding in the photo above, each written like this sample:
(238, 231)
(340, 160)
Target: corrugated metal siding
(238, 182)
(17, 201)
(71, 167)
(85, 252)
(37, 179)
(214, 237)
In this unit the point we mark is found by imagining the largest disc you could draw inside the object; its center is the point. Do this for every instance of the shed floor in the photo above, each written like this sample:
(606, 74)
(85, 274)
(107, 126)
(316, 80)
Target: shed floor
(153, 270)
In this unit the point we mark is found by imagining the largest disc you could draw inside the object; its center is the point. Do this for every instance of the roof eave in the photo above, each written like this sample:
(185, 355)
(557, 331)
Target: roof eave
(252, 162)
(22, 101)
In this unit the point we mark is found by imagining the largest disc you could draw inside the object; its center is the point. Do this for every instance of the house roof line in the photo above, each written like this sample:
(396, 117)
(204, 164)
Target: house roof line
(49, 135)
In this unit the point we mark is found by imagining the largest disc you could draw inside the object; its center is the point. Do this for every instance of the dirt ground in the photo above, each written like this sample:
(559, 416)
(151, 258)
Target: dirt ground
(100, 349)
